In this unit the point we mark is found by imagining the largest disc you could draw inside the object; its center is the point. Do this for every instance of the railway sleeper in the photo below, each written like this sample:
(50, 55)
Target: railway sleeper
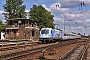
(68, 53)
(13, 47)
(17, 55)
(14, 55)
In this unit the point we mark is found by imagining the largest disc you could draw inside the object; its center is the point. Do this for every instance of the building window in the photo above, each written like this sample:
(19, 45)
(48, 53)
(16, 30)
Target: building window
(33, 32)
(19, 24)
(32, 25)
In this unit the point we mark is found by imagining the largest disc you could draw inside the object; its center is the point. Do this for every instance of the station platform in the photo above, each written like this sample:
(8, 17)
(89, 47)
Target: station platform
(12, 40)
(9, 43)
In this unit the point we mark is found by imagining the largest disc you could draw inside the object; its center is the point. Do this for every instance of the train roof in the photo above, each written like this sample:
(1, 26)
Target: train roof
(50, 29)
(46, 28)
(69, 33)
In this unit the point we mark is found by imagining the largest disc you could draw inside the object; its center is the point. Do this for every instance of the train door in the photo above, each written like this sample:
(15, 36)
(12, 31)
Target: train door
(51, 34)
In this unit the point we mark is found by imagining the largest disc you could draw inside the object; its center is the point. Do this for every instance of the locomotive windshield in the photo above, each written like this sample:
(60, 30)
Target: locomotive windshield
(45, 31)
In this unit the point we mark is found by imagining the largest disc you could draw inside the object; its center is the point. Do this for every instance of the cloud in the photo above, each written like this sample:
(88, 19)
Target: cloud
(76, 19)
(46, 7)
(74, 16)
(58, 20)
(56, 9)
(27, 11)
(87, 14)
(2, 16)
(73, 3)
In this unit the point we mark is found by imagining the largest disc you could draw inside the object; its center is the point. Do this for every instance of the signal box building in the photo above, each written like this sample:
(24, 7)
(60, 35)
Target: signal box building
(21, 28)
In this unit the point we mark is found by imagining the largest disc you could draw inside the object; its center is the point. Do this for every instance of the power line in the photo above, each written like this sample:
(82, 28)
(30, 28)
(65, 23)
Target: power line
(38, 1)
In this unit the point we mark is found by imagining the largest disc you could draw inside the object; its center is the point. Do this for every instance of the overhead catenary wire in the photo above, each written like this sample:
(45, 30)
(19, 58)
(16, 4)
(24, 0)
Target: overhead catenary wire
(81, 5)
(78, 3)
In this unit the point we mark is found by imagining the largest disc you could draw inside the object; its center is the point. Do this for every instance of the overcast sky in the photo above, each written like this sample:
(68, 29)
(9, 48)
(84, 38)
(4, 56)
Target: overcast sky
(75, 13)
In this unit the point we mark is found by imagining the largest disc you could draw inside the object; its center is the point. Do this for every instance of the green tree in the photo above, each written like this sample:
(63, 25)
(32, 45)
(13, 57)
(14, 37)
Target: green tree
(43, 16)
(15, 9)
(2, 25)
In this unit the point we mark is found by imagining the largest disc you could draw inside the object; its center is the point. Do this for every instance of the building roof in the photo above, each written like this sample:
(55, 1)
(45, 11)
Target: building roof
(19, 19)
(12, 28)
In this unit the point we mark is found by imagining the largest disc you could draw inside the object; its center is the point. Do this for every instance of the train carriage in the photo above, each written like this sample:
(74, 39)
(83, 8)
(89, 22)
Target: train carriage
(52, 35)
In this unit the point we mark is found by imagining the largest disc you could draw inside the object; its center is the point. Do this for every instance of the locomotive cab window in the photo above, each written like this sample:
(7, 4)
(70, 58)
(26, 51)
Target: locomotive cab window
(46, 31)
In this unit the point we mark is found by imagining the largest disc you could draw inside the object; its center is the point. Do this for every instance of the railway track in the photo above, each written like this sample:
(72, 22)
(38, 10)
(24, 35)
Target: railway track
(76, 53)
(87, 53)
(17, 47)
(6, 47)
(28, 51)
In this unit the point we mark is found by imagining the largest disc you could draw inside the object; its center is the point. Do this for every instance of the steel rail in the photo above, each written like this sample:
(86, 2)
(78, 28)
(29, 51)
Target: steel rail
(26, 52)
(13, 47)
(30, 51)
(69, 52)
(82, 54)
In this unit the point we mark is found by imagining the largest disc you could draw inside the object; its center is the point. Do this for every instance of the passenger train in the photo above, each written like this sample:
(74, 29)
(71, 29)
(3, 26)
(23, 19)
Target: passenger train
(52, 35)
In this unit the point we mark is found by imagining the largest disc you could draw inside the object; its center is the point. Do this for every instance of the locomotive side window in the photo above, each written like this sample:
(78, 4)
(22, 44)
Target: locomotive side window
(51, 31)
(45, 31)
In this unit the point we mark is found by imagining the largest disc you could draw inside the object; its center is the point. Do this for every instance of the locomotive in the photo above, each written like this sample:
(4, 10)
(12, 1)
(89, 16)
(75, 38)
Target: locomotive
(52, 35)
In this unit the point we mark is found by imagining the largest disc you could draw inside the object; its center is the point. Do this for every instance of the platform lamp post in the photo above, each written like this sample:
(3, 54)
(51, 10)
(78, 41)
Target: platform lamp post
(78, 30)
(64, 22)
(85, 29)
(70, 25)
(76, 26)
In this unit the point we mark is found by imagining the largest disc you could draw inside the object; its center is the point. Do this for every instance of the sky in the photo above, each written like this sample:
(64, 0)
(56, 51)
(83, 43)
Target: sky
(73, 15)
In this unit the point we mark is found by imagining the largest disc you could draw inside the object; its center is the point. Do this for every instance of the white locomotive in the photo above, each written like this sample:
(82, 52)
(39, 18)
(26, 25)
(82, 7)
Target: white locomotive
(49, 35)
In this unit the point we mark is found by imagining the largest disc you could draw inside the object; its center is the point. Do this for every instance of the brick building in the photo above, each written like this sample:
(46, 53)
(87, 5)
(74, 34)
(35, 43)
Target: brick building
(21, 28)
